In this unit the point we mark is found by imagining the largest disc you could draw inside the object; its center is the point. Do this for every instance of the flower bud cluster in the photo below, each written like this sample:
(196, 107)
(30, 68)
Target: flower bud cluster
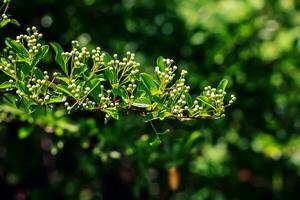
(98, 57)
(106, 100)
(176, 95)
(87, 104)
(168, 74)
(32, 39)
(195, 109)
(232, 100)
(130, 88)
(6, 50)
(124, 69)
(216, 96)
(8, 67)
(4, 16)
(180, 107)
(7, 63)
(120, 73)
(37, 89)
(213, 93)
(76, 90)
(68, 107)
(179, 87)
(80, 56)
(80, 94)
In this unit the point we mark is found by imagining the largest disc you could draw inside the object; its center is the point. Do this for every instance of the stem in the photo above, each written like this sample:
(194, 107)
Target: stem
(6, 8)
(152, 125)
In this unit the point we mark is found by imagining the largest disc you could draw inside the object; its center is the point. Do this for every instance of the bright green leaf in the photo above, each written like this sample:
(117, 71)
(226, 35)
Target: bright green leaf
(160, 63)
(205, 100)
(148, 82)
(109, 75)
(112, 112)
(17, 47)
(121, 93)
(6, 85)
(23, 70)
(188, 99)
(6, 21)
(59, 58)
(222, 85)
(40, 55)
(106, 57)
(64, 89)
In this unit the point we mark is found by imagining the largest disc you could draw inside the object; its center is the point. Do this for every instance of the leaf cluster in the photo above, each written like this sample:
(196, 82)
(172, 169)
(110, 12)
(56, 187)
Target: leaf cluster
(95, 80)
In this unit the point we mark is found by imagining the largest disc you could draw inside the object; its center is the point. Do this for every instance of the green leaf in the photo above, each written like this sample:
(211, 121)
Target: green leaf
(160, 63)
(222, 85)
(23, 70)
(17, 47)
(142, 97)
(95, 90)
(15, 22)
(121, 92)
(55, 99)
(188, 99)
(40, 55)
(93, 83)
(106, 57)
(112, 112)
(142, 102)
(148, 82)
(64, 89)
(79, 71)
(163, 115)
(141, 91)
(6, 85)
(38, 74)
(6, 21)
(59, 58)
(63, 79)
(206, 101)
(39, 111)
(110, 76)
(22, 87)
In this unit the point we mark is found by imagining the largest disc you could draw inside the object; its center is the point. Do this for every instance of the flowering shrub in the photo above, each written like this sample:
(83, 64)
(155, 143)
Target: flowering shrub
(95, 80)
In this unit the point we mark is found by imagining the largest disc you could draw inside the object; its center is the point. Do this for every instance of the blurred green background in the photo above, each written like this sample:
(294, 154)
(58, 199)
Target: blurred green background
(252, 153)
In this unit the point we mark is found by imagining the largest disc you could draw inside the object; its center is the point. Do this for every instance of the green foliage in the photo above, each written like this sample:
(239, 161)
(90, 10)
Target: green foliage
(93, 80)
(59, 57)
(4, 19)
(252, 153)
